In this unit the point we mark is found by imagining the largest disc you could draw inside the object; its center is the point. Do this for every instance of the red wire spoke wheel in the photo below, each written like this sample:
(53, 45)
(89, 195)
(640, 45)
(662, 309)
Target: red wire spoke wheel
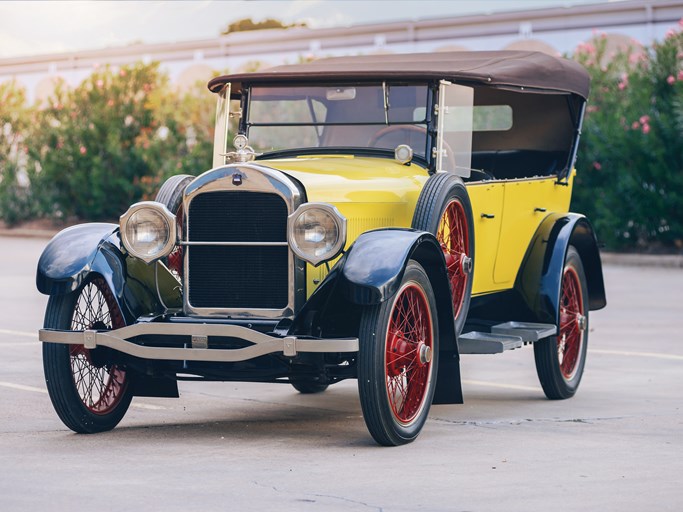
(397, 360)
(100, 386)
(444, 209)
(453, 235)
(560, 359)
(409, 349)
(572, 324)
(90, 392)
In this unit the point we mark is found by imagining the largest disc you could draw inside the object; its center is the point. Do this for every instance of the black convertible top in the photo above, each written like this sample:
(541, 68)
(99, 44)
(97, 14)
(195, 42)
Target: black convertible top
(518, 69)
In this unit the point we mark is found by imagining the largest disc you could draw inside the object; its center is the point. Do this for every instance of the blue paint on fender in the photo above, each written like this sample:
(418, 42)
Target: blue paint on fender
(375, 263)
(70, 256)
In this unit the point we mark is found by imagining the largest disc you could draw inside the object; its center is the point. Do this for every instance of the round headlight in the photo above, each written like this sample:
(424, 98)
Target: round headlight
(148, 231)
(317, 232)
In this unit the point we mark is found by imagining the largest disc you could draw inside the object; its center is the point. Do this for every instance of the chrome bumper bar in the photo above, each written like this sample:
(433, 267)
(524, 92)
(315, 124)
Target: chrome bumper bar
(262, 344)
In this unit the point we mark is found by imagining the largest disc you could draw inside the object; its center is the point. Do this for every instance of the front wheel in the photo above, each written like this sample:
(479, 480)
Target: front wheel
(398, 360)
(560, 359)
(89, 392)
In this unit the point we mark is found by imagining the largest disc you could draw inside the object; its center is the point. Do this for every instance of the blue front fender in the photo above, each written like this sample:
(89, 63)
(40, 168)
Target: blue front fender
(78, 251)
(371, 272)
(72, 254)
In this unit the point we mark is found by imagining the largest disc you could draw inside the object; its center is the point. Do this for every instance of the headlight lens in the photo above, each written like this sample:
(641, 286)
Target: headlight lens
(317, 232)
(148, 231)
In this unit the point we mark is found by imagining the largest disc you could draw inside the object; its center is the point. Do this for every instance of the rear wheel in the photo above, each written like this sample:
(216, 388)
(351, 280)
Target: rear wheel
(560, 359)
(398, 360)
(444, 209)
(89, 392)
(307, 387)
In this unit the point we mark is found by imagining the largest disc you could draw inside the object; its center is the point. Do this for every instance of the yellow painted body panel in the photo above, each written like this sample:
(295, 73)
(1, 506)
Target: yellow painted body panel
(522, 214)
(517, 208)
(486, 199)
(377, 193)
(370, 192)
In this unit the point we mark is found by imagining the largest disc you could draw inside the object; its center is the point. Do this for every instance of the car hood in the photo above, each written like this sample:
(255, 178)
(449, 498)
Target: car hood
(340, 179)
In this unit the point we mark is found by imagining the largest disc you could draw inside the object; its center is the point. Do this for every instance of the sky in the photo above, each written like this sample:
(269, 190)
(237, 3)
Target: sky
(40, 27)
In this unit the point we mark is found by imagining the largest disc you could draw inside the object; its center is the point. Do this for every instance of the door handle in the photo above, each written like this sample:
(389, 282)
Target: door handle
(487, 216)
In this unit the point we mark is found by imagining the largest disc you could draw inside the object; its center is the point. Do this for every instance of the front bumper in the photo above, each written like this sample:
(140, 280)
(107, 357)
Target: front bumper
(198, 340)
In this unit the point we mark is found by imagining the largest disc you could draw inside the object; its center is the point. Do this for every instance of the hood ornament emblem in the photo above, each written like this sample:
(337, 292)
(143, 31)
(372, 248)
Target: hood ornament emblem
(237, 179)
(244, 152)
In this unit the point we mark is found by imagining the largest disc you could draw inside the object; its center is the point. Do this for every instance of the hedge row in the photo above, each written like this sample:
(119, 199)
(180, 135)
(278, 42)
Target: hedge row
(92, 151)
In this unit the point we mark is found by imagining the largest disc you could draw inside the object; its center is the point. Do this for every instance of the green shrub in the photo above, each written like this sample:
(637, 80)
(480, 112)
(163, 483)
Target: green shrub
(630, 180)
(16, 202)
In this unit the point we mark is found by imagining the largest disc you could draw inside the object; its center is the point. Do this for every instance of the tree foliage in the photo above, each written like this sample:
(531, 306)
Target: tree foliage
(247, 24)
(96, 149)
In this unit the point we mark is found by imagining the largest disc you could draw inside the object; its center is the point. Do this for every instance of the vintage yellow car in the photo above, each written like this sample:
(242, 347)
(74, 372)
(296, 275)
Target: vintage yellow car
(368, 217)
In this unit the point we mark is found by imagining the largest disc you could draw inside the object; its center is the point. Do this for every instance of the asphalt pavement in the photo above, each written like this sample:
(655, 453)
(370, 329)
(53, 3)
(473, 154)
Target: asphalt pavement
(617, 445)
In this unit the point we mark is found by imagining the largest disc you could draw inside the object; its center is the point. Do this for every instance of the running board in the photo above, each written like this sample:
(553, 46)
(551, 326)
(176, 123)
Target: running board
(507, 336)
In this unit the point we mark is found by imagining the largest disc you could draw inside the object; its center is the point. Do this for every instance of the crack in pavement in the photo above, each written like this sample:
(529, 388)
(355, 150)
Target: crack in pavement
(332, 496)
(491, 423)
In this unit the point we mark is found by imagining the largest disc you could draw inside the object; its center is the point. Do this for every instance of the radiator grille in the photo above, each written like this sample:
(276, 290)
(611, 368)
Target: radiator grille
(239, 277)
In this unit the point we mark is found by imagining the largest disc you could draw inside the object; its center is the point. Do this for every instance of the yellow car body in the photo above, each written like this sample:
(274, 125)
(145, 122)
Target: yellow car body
(378, 193)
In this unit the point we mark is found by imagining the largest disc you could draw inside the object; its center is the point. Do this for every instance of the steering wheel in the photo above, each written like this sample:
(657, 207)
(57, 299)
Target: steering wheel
(408, 128)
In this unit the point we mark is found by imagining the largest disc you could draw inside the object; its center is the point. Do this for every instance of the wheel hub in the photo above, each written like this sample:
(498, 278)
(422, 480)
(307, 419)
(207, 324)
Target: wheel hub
(581, 321)
(424, 354)
(465, 264)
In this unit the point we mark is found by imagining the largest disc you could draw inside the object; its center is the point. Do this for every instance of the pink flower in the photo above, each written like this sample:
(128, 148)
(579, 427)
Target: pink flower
(597, 166)
(644, 119)
(635, 125)
(670, 33)
(622, 86)
(122, 72)
(100, 84)
(670, 79)
(83, 150)
(646, 128)
(110, 103)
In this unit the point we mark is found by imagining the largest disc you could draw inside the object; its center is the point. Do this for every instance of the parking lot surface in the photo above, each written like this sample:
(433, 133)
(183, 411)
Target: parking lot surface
(617, 445)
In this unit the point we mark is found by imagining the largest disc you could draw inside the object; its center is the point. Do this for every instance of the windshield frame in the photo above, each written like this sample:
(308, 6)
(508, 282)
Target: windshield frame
(428, 122)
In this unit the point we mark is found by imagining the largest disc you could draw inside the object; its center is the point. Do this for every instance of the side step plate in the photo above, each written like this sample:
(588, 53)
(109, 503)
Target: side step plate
(507, 336)
(475, 342)
(529, 332)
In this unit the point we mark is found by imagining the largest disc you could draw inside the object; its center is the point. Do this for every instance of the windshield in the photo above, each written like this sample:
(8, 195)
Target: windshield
(379, 116)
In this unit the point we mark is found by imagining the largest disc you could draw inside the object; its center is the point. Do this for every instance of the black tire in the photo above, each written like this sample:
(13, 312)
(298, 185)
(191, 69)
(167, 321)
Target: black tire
(89, 393)
(171, 192)
(308, 387)
(171, 195)
(397, 369)
(560, 359)
(444, 196)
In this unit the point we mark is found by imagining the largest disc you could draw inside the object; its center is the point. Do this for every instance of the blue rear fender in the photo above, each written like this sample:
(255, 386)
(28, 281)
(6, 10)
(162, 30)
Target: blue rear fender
(540, 278)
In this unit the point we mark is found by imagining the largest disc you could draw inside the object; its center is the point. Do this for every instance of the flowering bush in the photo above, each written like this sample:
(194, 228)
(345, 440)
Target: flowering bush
(630, 180)
(92, 151)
